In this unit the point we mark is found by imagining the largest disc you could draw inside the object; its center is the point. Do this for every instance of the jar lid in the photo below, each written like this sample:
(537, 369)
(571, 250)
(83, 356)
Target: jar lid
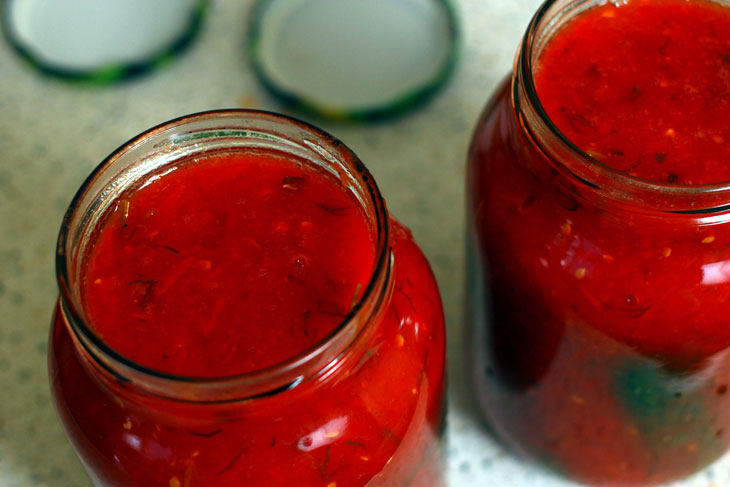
(100, 41)
(353, 59)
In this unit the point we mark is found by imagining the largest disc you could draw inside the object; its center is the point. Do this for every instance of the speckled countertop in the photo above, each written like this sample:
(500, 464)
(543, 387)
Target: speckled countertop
(52, 134)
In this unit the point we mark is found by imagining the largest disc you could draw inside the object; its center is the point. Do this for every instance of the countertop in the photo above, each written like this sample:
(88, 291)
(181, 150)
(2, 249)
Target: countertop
(52, 134)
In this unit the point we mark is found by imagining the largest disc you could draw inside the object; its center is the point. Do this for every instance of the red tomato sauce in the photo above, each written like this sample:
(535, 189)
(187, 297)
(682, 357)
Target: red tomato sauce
(603, 326)
(644, 87)
(186, 269)
(230, 265)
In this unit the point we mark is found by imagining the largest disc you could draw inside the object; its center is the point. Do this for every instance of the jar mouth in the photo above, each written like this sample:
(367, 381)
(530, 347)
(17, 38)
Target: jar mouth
(592, 173)
(193, 135)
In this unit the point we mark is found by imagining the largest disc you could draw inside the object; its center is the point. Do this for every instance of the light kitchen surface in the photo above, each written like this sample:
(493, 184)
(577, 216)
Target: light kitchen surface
(52, 134)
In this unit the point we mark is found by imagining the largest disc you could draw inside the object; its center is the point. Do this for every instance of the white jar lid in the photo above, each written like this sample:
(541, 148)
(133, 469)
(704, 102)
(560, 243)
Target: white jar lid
(100, 40)
(353, 59)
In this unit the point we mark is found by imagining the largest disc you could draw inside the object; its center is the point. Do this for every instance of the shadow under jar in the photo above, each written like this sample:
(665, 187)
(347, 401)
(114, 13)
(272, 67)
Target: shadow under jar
(237, 308)
(599, 242)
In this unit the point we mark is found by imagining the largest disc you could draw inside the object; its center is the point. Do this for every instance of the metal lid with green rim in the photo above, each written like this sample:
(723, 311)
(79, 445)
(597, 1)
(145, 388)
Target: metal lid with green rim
(353, 59)
(100, 41)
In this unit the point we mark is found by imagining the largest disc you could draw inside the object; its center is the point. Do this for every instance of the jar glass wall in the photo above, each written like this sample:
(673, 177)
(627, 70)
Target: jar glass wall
(362, 406)
(597, 300)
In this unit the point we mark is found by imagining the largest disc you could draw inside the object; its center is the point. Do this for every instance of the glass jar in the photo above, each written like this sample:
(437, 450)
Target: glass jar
(597, 301)
(362, 407)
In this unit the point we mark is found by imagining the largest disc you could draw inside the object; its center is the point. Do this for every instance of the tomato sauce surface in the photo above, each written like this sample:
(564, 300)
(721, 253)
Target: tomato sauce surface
(644, 87)
(228, 265)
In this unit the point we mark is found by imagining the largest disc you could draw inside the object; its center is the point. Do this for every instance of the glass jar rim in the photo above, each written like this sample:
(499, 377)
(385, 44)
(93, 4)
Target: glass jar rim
(262, 382)
(592, 173)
